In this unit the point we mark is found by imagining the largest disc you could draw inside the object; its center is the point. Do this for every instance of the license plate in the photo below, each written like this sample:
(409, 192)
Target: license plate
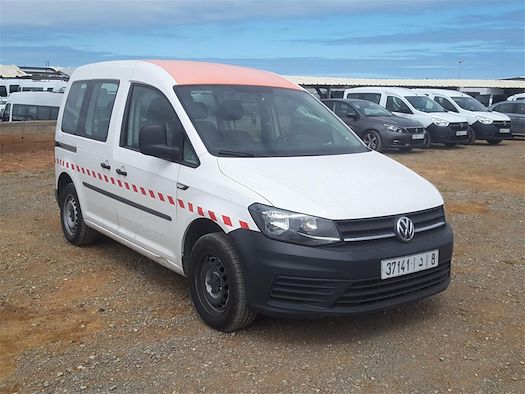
(461, 132)
(504, 131)
(418, 136)
(409, 264)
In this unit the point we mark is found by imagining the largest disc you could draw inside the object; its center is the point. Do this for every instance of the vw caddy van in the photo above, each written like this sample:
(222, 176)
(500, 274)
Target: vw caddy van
(441, 126)
(484, 124)
(249, 186)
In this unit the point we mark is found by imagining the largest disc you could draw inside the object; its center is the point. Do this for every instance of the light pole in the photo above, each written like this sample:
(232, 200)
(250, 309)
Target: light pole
(460, 62)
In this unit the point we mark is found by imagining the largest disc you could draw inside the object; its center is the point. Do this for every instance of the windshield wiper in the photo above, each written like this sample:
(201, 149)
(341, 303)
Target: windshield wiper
(232, 153)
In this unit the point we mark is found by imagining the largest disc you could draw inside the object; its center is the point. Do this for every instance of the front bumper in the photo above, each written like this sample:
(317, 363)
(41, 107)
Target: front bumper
(447, 134)
(402, 140)
(287, 280)
(492, 131)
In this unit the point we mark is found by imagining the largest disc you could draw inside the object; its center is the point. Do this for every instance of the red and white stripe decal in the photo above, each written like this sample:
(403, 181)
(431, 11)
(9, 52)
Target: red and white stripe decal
(156, 195)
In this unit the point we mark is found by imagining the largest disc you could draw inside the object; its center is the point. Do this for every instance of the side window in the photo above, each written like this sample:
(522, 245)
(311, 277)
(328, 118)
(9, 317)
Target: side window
(99, 109)
(373, 97)
(7, 112)
(445, 103)
(75, 98)
(520, 108)
(145, 106)
(3, 91)
(13, 88)
(343, 110)
(395, 104)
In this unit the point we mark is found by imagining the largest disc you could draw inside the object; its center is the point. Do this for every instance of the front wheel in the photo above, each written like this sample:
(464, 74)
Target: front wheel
(217, 284)
(494, 142)
(372, 140)
(75, 229)
(427, 142)
(471, 134)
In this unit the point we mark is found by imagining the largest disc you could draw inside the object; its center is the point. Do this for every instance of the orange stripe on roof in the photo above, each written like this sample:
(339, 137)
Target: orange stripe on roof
(201, 73)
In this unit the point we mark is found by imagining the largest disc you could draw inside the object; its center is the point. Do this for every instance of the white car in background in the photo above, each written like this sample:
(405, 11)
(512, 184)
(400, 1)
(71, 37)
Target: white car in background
(485, 124)
(441, 126)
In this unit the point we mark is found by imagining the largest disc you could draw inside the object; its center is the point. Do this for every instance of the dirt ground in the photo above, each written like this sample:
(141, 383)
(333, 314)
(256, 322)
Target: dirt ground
(105, 319)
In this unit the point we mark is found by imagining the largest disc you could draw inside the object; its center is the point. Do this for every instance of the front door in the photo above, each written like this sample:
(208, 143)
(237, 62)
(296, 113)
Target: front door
(147, 211)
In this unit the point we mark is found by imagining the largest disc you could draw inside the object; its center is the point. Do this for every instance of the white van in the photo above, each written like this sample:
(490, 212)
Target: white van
(242, 181)
(26, 106)
(12, 85)
(485, 124)
(441, 126)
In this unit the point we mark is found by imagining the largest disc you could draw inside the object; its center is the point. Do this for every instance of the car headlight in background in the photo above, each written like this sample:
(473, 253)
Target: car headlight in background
(394, 128)
(440, 122)
(484, 120)
(294, 227)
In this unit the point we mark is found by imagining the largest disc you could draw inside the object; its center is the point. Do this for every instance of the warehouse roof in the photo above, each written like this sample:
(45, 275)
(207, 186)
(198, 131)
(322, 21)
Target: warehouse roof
(437, 83)
(11, 71)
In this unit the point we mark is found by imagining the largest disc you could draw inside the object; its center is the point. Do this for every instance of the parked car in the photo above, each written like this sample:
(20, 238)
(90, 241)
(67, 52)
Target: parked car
(377, 127)
(516, 97)
(242, 181)
(484, 124)
(515, 110)
(25, 106)
(441, 126)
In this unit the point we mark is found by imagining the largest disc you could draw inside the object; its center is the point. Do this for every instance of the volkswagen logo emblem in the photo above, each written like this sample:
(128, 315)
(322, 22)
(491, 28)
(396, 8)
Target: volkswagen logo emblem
(404, 229)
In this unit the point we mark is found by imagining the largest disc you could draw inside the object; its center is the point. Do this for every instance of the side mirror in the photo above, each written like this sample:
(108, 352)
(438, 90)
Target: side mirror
(152, 142)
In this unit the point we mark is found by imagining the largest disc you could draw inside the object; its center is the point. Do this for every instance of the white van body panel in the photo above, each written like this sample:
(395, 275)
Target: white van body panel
(471, 116)
(325, 186)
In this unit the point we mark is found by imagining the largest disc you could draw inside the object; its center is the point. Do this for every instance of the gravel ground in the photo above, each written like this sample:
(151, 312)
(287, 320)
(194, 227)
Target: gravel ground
(105, 319)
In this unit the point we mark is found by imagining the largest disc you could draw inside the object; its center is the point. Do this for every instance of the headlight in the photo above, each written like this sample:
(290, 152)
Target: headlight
(294, 227)
(394, 128)
(440, 122)
(484, 120)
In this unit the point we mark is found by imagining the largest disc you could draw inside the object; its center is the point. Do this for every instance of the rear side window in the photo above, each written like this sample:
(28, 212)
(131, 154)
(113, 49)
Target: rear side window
(445, 104)
(23, 112)
(395, 104)
(13, 88)
(7, 113)
(520, 108)
(88, 108)
(3, 91)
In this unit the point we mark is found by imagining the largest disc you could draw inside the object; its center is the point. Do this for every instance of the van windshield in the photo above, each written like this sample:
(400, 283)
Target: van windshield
(259, 121)
(470, 104)
(424, 104)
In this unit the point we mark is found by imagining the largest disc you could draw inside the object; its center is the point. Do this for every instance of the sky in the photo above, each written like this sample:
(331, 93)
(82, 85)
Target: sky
(472, 39)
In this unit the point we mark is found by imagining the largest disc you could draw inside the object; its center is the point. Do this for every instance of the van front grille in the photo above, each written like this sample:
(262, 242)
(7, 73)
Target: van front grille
(356, 230)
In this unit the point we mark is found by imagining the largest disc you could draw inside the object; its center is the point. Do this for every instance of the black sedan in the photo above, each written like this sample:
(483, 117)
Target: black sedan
(378, 128)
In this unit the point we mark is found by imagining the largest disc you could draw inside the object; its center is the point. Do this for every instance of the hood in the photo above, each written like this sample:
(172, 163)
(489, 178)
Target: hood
(349, 186)
(492, 115)
(393, 120)
(449, 116)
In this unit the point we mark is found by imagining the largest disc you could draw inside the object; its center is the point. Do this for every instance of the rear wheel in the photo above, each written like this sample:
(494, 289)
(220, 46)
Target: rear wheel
(494, 142)
(73, 226)
(217, 284)
(372, 140)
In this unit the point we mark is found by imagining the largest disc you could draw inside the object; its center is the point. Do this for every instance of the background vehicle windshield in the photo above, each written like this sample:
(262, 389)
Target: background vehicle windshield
(262, 121)
(470, 104)
(424, 104)
(367, 108)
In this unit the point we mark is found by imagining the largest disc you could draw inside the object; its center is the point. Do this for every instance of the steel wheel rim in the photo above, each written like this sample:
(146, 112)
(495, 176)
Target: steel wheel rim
(214, 285)
(70, 215)
(370, 141)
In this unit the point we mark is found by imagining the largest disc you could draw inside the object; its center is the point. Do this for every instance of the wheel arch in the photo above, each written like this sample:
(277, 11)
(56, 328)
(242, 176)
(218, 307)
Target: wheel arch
(195, 230)
(63, 180)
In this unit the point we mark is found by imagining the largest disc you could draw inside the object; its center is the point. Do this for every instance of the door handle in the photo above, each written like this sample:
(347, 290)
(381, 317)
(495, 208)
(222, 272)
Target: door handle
(121, 172)
(182, 186)
(105, 166)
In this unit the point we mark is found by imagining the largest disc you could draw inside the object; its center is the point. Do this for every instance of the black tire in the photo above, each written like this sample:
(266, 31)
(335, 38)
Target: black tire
(471, 136)
(75, 229)
(372, 139)
(494, 142)
(217, 284)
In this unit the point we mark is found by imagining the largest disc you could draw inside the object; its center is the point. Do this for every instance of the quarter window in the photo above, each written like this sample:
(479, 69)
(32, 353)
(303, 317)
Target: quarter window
(343, 110)
(13, 88)
(395, 104)
(3, 91)
(505, 107)
(75, 98)
(7, 113)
